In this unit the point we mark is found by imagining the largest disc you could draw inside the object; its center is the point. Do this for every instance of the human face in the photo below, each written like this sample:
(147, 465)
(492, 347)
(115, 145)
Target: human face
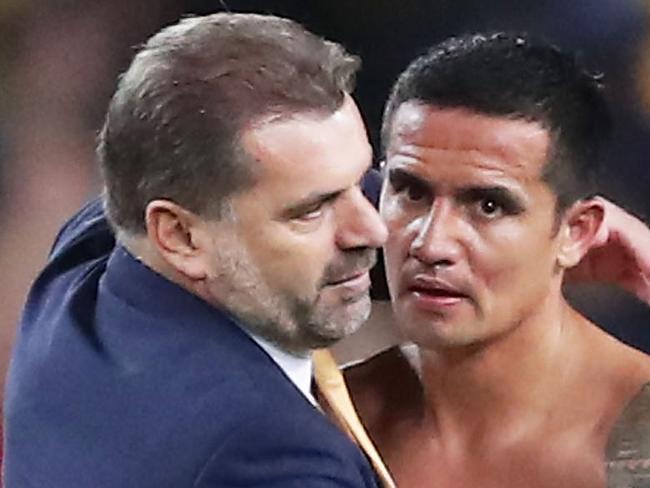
(301, 241)
(472, 244)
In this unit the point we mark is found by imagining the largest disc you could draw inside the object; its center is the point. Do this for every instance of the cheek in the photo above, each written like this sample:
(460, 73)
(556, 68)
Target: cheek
(293, 261)
(515, 261)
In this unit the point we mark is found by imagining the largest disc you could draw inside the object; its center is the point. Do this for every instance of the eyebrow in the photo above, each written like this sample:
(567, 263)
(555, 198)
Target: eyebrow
(402, 177)
(297, 208)
(502, 194)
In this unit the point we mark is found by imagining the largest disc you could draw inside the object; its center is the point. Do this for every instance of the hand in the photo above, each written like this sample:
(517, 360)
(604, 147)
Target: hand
(620, 254)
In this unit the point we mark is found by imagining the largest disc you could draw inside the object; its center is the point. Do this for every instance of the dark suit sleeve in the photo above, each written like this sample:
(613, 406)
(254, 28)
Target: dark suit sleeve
(371, 184)
(272, 452)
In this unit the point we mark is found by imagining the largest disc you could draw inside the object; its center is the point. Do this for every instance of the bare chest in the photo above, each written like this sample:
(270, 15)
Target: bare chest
(420, 463)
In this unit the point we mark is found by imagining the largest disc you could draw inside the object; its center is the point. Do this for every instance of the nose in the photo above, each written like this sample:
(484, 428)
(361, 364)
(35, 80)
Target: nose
(436, 242)
(359, 224)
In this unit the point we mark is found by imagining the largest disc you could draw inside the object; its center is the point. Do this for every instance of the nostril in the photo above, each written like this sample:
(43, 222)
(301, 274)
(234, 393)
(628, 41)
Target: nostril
(441, 263)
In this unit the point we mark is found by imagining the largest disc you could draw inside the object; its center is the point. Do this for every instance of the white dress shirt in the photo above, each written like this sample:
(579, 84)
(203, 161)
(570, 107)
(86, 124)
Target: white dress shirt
(298, 369)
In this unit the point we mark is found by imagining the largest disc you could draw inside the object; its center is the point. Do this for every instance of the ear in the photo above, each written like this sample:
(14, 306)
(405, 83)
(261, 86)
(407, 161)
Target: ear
(179, 236)
(579, 229)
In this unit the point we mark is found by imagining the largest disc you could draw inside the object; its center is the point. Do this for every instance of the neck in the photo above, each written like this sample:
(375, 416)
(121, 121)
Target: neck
(503, 387)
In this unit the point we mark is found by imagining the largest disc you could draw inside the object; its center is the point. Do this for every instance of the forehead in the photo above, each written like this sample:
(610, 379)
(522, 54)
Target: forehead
(330, 146)
(456, 139)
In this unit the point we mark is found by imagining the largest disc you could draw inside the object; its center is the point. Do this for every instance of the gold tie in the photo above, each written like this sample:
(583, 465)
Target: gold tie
(332, 386)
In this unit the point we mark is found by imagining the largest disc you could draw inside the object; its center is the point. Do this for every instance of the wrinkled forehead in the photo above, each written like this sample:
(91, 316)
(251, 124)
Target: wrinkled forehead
(420, 130)
(310, 148)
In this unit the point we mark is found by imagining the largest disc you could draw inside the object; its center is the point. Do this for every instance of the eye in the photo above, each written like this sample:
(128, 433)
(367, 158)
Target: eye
(492, 203)
(310, 213)
(413, 191)
(489, 207)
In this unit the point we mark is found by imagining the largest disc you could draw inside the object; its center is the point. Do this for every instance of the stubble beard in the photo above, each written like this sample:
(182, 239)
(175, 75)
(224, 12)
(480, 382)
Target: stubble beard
(295, 324)
(301, 325)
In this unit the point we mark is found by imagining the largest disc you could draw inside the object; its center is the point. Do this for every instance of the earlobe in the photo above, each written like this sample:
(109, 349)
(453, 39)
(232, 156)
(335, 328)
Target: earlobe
(579, 229)
(173, 231)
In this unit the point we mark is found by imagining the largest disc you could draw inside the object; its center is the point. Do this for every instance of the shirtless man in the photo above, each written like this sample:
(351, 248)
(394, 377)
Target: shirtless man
(489, 143)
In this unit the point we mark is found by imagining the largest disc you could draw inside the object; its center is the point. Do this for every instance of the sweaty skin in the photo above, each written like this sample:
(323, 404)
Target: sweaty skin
(516, 387)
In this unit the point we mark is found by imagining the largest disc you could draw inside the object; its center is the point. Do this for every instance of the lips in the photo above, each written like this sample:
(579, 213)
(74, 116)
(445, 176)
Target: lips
(350, 266)
(436, 287)
(352, 278)
(435, 294)
(439, 291)
(350, 288)
(347, 278)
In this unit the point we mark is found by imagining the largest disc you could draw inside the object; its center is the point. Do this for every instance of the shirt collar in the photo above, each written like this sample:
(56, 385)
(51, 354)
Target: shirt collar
(298, 369)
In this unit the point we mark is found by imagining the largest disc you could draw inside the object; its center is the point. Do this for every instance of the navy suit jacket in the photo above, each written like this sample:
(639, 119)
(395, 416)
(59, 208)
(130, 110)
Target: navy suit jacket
(122, 379)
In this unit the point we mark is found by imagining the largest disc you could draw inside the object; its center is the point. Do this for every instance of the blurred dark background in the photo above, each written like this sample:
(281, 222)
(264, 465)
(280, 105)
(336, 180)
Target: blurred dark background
(59, 60)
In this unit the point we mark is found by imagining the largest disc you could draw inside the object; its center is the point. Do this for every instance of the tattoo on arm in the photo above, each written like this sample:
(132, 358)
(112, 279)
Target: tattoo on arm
(628, 448)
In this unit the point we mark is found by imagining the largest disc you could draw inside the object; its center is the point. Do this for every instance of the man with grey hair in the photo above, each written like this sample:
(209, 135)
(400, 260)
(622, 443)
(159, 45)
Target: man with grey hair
(233, 159)
(233, 156)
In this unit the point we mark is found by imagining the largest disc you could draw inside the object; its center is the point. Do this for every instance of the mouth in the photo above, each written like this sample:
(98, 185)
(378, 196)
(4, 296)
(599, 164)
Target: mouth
(346, 278)
(436, 294)
(351, 286)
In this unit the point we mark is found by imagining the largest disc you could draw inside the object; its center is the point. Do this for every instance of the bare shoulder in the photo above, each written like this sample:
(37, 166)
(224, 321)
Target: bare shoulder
(627, 453)
(632, 365)
(628, 448)
(622, 367)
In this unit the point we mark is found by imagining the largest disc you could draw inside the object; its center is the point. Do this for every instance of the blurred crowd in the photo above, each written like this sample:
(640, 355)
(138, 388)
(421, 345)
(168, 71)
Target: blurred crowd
(60, 59)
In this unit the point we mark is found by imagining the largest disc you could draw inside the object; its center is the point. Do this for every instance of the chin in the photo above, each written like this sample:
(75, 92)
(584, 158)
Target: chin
(346, 320)
(435, 334)
(357, 315)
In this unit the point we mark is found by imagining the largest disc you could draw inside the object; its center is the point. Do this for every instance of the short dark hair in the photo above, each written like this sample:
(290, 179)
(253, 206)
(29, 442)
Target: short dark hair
(173, 126)
(514, 76)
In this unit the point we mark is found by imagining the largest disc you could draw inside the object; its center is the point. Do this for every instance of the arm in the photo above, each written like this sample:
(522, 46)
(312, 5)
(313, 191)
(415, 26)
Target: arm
(272, 451)
(620, 254)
